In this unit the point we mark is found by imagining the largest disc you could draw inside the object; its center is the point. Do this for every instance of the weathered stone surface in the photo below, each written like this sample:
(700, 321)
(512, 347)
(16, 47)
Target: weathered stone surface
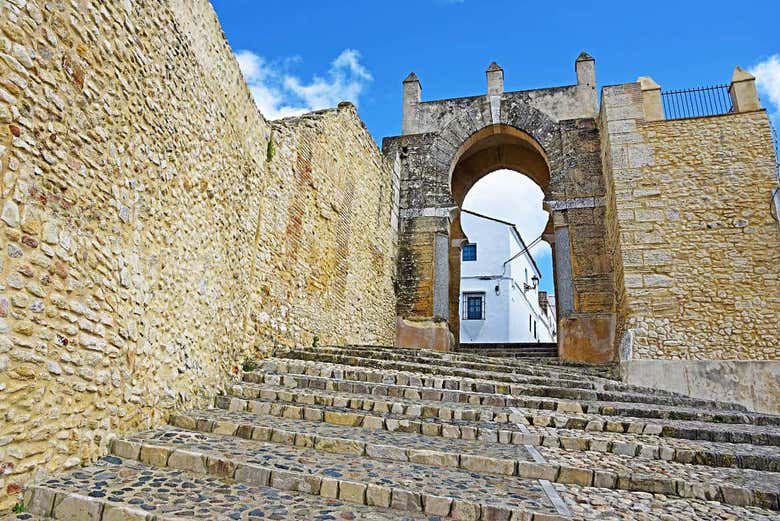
(352, 492)
(684, 224)
(154, 281)
(378, 495)
(190, 461)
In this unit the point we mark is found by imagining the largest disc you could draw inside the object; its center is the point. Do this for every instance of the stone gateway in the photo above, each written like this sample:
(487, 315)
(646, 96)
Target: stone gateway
(662, 235)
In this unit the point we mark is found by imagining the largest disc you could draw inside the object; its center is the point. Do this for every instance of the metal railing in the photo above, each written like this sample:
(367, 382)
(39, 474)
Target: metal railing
(698, 102)
(776, 142)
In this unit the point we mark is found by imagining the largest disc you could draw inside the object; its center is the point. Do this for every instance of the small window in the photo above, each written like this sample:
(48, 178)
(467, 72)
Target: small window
(529, 323)
(526, 275)
(535, 329)
(473, 306)
(470, 252)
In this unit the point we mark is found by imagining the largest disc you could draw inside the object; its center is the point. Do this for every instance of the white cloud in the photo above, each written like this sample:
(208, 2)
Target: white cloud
(767, 75)
(513, 197)
(280, 95)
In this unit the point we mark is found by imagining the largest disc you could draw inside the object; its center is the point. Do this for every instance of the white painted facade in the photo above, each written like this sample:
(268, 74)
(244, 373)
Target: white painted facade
(505, 279)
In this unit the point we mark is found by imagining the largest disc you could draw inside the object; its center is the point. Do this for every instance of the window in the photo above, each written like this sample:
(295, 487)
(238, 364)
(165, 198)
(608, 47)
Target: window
(535, 329)
(470, 252)
(473, 306)
(529, 323)
(526, 275)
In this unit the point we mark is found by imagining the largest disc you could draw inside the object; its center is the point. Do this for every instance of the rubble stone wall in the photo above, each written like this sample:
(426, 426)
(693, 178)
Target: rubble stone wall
(148, 246)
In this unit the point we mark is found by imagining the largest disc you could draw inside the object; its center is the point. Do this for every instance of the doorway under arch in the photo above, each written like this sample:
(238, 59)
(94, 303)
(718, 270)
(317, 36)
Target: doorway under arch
(496, 147)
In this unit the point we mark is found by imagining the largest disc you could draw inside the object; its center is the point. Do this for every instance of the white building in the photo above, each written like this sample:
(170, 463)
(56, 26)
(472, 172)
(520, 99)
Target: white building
(499, 280)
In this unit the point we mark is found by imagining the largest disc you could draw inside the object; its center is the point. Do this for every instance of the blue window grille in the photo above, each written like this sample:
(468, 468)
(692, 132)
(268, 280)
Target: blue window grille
(475, 307)
(470, 252)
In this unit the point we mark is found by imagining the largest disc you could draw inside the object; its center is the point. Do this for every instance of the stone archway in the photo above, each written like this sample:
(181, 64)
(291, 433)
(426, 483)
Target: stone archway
(492, 148)
(550, 135)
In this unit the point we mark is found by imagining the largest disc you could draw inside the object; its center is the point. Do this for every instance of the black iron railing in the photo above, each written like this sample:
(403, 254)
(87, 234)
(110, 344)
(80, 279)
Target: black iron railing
(698, 102)
(776, 142)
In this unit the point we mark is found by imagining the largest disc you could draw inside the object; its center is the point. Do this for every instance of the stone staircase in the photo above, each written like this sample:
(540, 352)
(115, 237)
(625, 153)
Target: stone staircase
(386, 434)
(527, 350)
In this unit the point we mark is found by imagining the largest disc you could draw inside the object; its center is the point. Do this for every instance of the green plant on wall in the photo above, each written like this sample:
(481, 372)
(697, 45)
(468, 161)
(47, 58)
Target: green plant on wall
(249, 365)
(18, 508)
(315, 341)
(270, 150)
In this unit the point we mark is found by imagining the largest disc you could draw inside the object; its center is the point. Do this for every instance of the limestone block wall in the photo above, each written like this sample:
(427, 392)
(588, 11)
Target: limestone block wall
(689, 211)
(147, 246)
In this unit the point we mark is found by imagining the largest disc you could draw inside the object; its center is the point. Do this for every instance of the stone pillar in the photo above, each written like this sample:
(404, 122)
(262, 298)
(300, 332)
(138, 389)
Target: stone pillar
(742, 91)
(651, 99)
(564, 289)
(424, 276)
(412, 96)
(495, 80)
(441, 276)
(457, 240)
(585, 67)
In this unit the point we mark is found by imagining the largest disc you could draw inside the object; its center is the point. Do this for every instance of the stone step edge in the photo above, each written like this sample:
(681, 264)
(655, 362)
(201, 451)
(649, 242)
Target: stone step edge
(501, 436)
(541, 420)
(456, 370)
(452, 370)
(400, 376)
(369, 494)
(484, 387)
(566, 364)
(417, 353)
(574, 406)
(609, 384)
(51, 503)
(424, 362)
(563, 474)
(409, 392)
(521, 395)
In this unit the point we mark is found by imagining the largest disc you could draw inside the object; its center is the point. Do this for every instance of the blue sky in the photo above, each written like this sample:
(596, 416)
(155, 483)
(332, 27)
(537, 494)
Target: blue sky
(311, 54)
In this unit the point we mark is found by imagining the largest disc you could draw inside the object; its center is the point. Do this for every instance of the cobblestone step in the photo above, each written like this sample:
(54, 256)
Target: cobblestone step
(542, 362)
(416, 373)
(540, 413)
(600, 504)
(378, 359)
(502, 373)
(579, 368)
(439, 362)
(501, 395)
(605, 470)
(484, 456)
(501, 385)
(404, 486)
(307, 457)
(381, 434)
(609, 472)
(115, 489)
(766, 458)
(528, 350)
(351, 372)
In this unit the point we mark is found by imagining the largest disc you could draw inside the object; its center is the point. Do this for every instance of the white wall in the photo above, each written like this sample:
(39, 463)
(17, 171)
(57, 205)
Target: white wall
(506, 313)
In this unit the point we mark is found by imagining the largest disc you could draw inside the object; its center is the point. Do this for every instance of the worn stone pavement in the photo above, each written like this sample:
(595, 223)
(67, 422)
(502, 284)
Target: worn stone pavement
(385, 434)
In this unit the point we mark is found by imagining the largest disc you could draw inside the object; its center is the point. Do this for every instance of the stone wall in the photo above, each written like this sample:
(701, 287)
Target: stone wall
(147, 245)
(690, 215)
(327, 250)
